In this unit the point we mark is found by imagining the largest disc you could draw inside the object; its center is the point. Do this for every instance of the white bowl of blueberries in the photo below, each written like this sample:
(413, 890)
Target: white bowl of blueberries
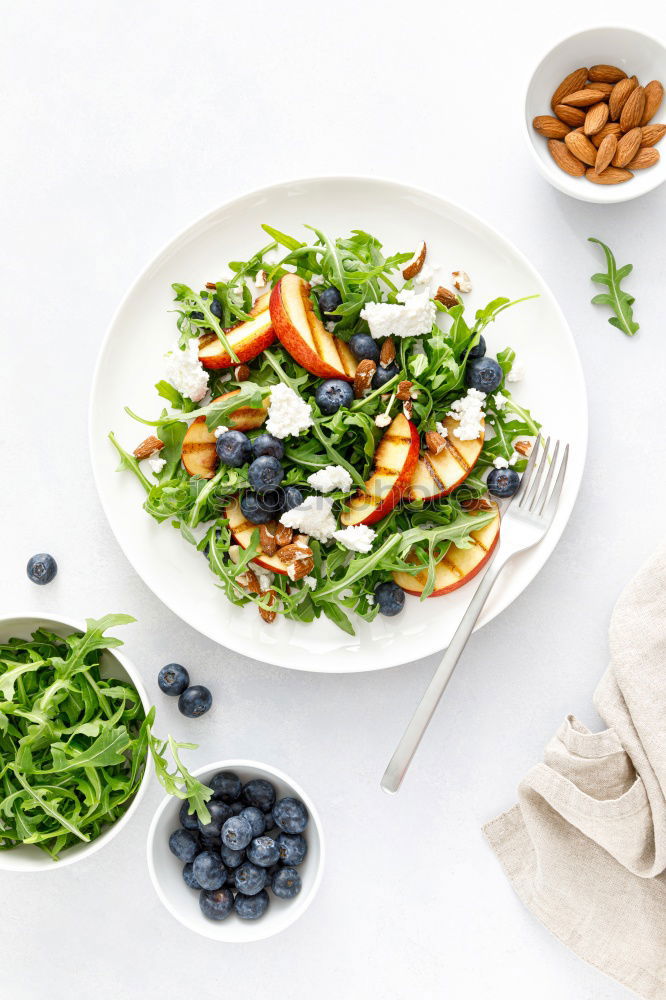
(250, 872)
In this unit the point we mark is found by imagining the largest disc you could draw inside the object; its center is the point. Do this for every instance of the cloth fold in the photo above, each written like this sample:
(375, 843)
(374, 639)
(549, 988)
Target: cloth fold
(585, 847)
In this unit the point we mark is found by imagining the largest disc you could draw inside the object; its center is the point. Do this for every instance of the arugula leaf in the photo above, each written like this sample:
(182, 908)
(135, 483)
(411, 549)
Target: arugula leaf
(618, 300)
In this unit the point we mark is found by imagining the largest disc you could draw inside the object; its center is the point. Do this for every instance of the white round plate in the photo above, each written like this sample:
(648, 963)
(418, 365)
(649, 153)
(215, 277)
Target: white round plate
(143, 330)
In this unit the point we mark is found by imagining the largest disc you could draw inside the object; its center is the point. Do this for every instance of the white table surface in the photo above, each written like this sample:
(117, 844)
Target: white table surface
(123, 122)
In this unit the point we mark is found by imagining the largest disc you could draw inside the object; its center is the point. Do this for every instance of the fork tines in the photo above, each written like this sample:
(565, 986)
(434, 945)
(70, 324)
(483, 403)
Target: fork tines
(528, 495)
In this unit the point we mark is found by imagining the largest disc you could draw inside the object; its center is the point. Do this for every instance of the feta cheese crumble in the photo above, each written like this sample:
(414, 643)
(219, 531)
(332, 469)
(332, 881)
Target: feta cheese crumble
(500, 463)
(441, 429)
(185, 372)
(500, 401)
(412, 316)
(468, 410)
(264, 576)
(157, 464)
(310, 582)
(330, 325)
(220, 429)
(461, 281)
(356, 538)
(333, 477)
(313, 517)
(383, 420)
(517, 373)
(287, 412)
(317, 279)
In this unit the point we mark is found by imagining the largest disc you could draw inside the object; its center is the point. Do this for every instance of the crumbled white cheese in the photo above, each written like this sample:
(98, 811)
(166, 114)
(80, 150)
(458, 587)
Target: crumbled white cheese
(370, 599)
(260, 279)
(157, 464)
(468, 410)
(517, 372)
(272, 257)
(344, 594)
(185, 372)
(500, 463)
(264, 576)
(313, 516)
(356, 538)
(441, 429)
(330, 325)
(383, 420)
(425, 275)
(500, 401)
(220, 429)
(412, 316)
(310, 581)
(317, 279)
(461, 281)
(333, 477)
(287, 412)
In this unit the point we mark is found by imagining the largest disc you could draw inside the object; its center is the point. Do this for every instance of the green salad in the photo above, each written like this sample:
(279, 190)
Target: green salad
(74, 743)
(333, 429)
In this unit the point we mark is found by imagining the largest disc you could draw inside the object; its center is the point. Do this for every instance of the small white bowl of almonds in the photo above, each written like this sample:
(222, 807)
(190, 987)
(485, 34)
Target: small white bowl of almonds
(595, 115)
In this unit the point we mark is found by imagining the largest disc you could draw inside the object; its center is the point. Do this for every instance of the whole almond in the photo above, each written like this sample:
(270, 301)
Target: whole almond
(292, 553)
(363, 377)
(148, 447)
(654, 95)
(574, 81)
(618, 97)
(605, 153)
(268, 615)
(647, 156)
(387, 353)
(446, 297)
(414, 266)
(604, 88)
(581, 147)
(404, 390)
(435, 442)
(551, 128)
(267, 540)
(652, 134)
(632, 112)
(302, 567)
(583, 98)
(604, 73)
(570, 116)
(627, 147)
(283, 535)
(611, 175)
(596, 118)
(610, 128)
(565, 159)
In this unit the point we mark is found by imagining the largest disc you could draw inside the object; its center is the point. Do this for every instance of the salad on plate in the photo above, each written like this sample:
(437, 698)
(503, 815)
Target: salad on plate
(336, 435)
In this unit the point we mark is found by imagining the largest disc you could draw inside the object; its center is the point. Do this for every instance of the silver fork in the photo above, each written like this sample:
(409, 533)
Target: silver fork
(526, 518)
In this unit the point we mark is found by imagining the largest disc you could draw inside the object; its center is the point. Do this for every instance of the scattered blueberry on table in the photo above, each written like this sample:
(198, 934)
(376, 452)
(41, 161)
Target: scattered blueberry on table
(195, 701)
(41, 568)
(173, 679)
(239, 856)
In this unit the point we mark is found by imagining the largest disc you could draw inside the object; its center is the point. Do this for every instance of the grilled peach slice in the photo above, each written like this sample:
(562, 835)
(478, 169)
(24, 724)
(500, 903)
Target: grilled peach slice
(198, 454)
(242, 530)
(247, 339)
(438, 475)
(303, 334)
(458, 566)
(395, 460)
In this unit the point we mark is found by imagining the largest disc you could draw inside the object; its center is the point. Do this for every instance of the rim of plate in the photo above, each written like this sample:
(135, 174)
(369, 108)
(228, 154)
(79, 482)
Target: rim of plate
(280, 656)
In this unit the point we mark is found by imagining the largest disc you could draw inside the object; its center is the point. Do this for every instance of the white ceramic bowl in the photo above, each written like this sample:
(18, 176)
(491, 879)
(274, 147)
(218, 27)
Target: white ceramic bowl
(29, 858)
(635, 53)
(183, 903)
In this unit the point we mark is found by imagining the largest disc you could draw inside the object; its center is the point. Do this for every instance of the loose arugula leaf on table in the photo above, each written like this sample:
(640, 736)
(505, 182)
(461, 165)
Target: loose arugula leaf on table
(616, 297)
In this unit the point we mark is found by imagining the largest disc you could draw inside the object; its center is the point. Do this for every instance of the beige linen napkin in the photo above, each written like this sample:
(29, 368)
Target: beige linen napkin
(585, 847)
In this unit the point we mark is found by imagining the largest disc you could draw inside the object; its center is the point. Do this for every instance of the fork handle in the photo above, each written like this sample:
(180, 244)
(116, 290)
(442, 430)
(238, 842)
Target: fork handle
(413, 734)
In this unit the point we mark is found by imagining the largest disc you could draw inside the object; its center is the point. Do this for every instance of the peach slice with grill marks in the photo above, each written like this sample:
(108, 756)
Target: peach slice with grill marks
(198, 454)
(438, 475)
(458, 566)
(242, 530)
(304, 336)
(247, 339)
(395, 459)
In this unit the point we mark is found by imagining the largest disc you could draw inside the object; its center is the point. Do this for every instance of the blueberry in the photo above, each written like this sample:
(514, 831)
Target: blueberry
(188, 876)
(265, 473)
(173, 679)
(213, 844)
(216, 308)
(184, 844)
(332, 394)
(196, 314)
(384, 375)
(286, 883)
(216, 904)
(231, 858)
(41, 568)
(226, 785)
(483, 374)
(195, 701)
(255, 817)
(188, 820)
(237, 833)
(259, 793)
(251, 907)
(219, 814)
(290, 815)
(269, 821)
(291, 497)
(266, 444)
(237, 808)
(329, 300)
(292, 848)
(249, 879)
(503, 482)
(364, 347)
(233, 448)
(209, 871)
(255, 509)
(479, 349)
(263, 851)
(390, 598)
